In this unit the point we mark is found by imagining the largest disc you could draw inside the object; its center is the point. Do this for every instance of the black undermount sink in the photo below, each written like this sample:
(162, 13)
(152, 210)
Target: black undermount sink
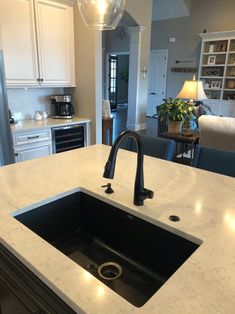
(131, 256)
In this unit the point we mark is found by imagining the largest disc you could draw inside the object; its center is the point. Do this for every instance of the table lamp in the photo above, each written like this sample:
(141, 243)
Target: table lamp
(192, 90)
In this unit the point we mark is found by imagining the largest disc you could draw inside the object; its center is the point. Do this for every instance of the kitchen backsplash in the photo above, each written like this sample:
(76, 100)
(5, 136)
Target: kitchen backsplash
(24, 102)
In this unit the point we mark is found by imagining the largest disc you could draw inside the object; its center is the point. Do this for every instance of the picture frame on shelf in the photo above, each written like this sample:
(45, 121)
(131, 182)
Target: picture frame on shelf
(211, 60)
(215, 84)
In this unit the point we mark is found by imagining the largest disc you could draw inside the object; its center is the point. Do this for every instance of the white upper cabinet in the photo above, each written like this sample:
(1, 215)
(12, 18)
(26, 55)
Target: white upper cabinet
(38, 43)
(19, 42)
(55, 43)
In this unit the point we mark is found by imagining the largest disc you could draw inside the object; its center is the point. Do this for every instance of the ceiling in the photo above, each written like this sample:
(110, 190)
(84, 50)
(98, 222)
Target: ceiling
(162, 10)
(168, 9)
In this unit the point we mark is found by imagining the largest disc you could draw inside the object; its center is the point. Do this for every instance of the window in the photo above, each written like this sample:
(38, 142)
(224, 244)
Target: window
(113, 80)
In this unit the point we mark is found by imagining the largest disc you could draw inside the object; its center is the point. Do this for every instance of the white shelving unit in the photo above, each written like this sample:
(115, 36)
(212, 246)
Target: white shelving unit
(217, 65)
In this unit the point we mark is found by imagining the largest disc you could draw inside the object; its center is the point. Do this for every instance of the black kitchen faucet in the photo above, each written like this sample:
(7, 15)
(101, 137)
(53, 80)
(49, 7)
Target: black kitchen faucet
(140, 193)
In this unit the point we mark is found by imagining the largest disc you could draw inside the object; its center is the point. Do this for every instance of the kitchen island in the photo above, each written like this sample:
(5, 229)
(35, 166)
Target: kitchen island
(204, 201)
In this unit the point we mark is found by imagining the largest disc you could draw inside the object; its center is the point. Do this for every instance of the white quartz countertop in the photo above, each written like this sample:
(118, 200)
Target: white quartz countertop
(29, 125)
(205, 202)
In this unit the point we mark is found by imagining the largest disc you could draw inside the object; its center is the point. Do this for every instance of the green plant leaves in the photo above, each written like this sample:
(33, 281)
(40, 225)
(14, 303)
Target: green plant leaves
(175, 110)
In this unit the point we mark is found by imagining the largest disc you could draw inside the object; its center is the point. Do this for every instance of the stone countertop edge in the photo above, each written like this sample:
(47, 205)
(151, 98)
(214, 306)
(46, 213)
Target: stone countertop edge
(204, 201)
(31, 125)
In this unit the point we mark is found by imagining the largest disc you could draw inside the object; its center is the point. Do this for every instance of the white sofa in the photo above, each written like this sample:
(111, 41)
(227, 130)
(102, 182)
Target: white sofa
(217, 132)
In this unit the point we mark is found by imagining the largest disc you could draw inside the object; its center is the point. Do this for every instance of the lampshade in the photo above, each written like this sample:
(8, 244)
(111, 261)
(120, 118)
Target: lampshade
(101, 14)
(192, 90)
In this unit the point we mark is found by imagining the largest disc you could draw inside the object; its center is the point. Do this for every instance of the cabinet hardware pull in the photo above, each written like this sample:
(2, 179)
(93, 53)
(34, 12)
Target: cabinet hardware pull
(41, 80)
(38, 79)
(32, 137)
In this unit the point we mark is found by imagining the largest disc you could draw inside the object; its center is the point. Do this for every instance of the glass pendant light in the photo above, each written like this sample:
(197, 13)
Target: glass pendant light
(102, 14)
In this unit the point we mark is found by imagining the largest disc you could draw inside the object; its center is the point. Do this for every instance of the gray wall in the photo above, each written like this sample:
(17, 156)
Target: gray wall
(212, 15)
(113, 43)
(118, 39)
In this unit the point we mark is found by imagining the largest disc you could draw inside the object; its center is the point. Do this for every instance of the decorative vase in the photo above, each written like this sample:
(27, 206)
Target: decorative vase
(174, 126)
(38, 116)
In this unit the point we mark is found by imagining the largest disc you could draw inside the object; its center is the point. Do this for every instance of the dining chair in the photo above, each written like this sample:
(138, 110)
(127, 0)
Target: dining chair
(215, 160)
(154, 146)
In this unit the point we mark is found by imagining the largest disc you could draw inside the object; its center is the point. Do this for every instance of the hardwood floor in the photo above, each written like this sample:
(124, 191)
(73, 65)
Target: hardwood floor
(120, 120)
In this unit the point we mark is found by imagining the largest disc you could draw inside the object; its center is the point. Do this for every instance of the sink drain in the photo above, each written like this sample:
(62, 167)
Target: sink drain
(110, 271)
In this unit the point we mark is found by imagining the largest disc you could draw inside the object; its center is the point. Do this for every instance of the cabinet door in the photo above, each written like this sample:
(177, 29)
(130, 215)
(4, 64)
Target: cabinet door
(19, 42)
(21, 292)
(28, 153)
(55, 43)
(9, 303)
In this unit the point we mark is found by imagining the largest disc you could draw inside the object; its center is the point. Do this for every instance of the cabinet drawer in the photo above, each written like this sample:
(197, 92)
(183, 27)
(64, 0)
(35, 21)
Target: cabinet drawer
(26, 138)
(36, 151)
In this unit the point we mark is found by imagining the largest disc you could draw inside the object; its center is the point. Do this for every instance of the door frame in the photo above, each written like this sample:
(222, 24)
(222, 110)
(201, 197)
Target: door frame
(166, 51)
(107, 54)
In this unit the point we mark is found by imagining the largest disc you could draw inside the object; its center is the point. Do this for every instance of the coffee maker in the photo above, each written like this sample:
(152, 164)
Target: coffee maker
(63, 106)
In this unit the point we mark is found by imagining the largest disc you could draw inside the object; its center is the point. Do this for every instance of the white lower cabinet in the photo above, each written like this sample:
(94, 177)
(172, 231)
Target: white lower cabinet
(28, 153)
(30, 145)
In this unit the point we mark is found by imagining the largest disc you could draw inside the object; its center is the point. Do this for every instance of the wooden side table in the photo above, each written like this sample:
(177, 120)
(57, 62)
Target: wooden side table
(184, 140)
(107, 131)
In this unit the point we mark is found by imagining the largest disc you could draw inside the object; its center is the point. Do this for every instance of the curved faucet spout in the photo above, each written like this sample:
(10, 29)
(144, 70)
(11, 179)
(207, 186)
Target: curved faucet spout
(140, 193)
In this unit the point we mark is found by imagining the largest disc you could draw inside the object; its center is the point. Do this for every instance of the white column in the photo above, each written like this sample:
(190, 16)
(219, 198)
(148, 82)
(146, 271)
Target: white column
(134, 77)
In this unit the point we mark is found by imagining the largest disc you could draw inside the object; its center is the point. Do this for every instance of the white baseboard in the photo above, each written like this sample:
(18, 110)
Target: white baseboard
(136, 127)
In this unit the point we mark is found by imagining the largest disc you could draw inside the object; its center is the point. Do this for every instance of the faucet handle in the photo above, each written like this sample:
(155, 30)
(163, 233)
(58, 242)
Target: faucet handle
(109, 189)
(147, 193)
(141, 195)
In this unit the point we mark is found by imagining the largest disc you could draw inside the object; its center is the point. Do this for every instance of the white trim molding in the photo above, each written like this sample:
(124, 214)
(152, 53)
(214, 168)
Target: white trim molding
(184, 7)
(136, 127)
(68, 2)
(133, 29)
(218, 35)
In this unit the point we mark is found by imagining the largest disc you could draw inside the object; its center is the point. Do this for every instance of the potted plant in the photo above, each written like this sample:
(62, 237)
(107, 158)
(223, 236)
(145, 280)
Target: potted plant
(175, 112)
